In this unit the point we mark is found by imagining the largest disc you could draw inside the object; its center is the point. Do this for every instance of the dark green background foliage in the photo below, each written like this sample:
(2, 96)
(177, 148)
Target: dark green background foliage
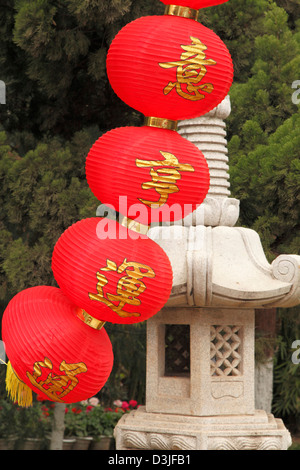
(59, 101)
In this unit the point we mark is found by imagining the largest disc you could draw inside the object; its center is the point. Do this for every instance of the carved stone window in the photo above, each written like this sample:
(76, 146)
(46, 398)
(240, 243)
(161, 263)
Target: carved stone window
(225, 350)
(177, 350)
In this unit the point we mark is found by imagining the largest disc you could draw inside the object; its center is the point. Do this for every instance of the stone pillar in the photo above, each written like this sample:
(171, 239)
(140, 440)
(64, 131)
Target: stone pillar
(208, 133)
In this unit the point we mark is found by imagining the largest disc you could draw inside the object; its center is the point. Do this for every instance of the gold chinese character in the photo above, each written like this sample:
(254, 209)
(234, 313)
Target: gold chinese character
(163, 179)
(129, 287)
(56, 386)
(191, 68)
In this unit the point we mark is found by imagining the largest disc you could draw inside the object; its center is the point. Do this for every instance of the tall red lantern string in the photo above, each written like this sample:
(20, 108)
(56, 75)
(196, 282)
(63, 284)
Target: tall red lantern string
(169, 68)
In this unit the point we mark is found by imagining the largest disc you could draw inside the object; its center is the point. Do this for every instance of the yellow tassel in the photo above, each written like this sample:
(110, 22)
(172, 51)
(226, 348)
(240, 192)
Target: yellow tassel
(17, 390)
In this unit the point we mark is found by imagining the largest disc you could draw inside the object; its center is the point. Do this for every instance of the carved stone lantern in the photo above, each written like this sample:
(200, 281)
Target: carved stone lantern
(200, 347)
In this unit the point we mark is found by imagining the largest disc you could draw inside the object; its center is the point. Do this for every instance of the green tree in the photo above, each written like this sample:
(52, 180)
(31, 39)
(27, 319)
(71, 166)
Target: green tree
(53, 60)
(42, 194)
(267, 181)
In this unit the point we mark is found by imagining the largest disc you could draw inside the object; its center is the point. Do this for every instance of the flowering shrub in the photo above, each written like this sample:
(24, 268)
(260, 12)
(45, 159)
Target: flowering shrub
(90, 418)
(76, 420)
(123, 405)
(87, 418)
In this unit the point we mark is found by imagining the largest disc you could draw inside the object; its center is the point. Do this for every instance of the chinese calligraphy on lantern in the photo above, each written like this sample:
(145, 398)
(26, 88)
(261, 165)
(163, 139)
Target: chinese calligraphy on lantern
(129, 286)
(163, 179)
(191, 68)
(56, 387)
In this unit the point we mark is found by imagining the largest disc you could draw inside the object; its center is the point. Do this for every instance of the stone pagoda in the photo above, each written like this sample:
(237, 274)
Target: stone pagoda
(200, 347)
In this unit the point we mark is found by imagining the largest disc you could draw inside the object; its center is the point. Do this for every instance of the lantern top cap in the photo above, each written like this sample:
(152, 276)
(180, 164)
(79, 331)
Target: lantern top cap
(193, 4)
(184, 12)
(161, 123)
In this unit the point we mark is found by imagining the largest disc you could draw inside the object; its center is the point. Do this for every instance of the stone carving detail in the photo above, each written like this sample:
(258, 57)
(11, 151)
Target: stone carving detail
(245, 443)
(286, 268)
(144, 440)
(225, 359)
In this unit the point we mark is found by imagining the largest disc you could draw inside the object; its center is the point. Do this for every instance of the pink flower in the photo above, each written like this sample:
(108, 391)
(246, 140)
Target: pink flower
(94, 401)
(125, 405)
(133, 403)
(89, 408)
(117, 403)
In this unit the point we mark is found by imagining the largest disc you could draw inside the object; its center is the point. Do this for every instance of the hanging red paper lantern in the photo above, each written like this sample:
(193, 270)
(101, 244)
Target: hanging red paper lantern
(169, 67)
(51, 350)
(163, 176)
(196, 4)
(115, 275)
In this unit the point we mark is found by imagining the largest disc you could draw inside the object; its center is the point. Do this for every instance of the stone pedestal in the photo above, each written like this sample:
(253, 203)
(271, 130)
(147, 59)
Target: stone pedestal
(141, 430)
(200, 386)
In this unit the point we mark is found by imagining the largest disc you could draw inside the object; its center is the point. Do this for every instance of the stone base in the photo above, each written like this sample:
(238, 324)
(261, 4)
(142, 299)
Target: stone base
(139, 430)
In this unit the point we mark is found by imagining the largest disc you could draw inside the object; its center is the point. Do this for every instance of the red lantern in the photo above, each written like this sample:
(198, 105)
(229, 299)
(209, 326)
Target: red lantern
(163, 176)
(51, 349)
(169, 67)
(115, 275)
(196, 4)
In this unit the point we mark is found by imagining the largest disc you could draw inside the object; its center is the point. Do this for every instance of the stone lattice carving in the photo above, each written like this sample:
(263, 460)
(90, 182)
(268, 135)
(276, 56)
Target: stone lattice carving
(225, 358)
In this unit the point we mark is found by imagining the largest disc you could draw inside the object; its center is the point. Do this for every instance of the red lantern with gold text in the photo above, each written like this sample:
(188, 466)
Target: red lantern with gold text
(113, 273)
(163, 176)
(51, 350)
(195, 4)
(169, 67)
